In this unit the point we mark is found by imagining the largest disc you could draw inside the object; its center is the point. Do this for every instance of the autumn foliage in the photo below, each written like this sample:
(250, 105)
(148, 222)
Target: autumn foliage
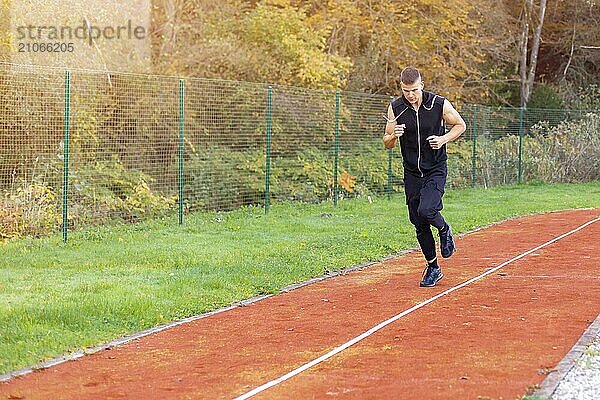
(468, 51)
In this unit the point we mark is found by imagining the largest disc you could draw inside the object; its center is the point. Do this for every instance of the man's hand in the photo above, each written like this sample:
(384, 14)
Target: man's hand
(453, 118)
(399, 130)
(436, 142)
(393, 130)
(392, 134)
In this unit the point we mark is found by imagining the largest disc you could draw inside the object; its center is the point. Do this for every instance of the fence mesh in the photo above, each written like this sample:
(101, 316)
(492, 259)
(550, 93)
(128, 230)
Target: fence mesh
(362, 159)
(224, 144)
(302, 133)
(123, 146)
(31, 149)
(141, 146)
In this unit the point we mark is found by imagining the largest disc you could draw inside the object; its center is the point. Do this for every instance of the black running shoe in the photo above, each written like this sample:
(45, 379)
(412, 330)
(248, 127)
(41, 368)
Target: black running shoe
(446, 242)
(431, 277)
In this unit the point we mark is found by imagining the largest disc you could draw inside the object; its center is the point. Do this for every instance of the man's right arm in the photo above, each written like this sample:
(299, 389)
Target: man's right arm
(389, 137)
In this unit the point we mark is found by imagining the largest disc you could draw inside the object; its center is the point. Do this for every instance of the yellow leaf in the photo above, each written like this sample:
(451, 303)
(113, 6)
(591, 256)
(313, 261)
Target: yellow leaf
(347, 181)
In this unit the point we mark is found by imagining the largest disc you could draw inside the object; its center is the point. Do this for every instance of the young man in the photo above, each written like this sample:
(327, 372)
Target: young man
(418, 120)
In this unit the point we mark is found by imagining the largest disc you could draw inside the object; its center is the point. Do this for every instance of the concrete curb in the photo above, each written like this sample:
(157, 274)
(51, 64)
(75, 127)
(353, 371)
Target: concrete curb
(549, 385)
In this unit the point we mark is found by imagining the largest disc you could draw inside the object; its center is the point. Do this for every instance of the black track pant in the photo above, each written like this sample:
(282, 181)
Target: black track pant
(424, 200)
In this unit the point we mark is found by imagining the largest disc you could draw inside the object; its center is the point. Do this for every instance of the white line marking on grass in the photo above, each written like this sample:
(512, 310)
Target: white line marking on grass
(371, 331)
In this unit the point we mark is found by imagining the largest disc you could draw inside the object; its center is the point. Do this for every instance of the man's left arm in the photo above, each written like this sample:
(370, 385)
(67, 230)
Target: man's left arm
(453, 118)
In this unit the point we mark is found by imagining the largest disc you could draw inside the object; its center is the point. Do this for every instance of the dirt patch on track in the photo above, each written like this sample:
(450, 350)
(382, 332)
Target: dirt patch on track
(492, 339)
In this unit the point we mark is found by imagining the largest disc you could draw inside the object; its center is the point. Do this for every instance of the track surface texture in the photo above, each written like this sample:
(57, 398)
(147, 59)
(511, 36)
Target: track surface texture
(495, 338)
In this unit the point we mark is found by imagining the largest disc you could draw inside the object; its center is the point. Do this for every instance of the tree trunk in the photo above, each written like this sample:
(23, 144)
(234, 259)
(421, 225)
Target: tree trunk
(528, 79)
(523, 58)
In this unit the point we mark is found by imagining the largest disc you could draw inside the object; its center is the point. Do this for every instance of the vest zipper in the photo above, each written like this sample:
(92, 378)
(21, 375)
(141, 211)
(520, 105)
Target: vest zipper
(419, 144)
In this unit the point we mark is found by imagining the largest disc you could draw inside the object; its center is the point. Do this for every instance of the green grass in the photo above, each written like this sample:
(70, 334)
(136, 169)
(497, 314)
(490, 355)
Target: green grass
(109, 282)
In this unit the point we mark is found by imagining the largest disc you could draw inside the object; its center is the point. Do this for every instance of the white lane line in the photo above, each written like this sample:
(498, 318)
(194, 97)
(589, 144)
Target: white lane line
(374, 329)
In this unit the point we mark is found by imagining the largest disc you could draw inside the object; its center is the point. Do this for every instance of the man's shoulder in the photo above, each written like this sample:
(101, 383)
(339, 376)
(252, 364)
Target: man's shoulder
(398, 101)
(431, 99)
(398, 105)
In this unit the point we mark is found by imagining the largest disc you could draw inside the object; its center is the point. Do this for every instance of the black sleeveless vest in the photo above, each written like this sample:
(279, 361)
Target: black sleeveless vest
(418, 156)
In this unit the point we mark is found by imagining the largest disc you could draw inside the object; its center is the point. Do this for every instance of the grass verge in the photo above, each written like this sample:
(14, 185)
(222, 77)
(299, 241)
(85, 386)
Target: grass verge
(108, 282)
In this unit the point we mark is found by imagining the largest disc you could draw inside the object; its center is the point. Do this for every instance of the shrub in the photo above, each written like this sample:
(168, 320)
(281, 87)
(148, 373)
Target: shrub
(545, 96)
(106, 189)
(567, 152)
(31, 210)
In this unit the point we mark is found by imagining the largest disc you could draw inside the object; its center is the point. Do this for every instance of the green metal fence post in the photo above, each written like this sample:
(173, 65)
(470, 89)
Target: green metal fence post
(268, 161)
(65, 221)
(390, 159)
(181, 132)
(474, 172)
(336, 148)
(521, 112)
(389, 188)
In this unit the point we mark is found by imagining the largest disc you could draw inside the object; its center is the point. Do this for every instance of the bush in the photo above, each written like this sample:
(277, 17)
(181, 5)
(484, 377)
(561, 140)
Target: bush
(564, 151)
(545, 96)
(567, 152)
(219, 178)
(31, 210)
(106, 190)
(582, 98)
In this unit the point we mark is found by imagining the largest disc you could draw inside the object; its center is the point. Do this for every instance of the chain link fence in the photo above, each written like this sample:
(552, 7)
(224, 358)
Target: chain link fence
(80, 147)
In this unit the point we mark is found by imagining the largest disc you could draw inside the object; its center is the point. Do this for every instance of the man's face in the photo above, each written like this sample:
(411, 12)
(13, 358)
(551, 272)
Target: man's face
(413, 92)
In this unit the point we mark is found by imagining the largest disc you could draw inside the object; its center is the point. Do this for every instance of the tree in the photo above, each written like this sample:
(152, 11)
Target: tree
(528, 59)
(270, 41)
(384, 36)
(567, 56)
(284, 36)
(494, 51)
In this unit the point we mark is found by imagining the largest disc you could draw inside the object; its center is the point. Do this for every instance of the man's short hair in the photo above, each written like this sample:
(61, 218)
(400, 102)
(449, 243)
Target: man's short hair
(409, 75)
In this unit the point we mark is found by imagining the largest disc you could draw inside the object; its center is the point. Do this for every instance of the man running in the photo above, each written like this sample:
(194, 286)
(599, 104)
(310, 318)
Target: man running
(418, 120)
